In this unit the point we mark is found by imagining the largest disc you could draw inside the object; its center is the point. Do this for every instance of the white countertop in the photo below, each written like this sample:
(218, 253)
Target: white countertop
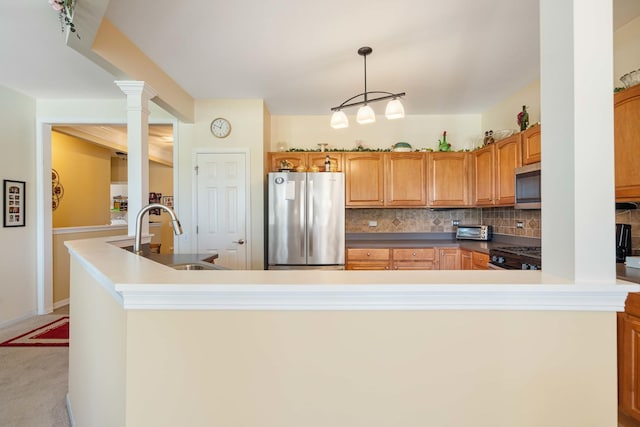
(139, 283)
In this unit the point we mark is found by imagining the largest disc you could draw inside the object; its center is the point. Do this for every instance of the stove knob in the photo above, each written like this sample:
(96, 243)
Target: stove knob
(500, 260)
(534, 267)
(494, 258)
(525, 266)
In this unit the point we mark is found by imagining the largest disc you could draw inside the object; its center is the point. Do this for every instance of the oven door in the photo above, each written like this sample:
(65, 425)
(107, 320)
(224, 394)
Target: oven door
(495, 267)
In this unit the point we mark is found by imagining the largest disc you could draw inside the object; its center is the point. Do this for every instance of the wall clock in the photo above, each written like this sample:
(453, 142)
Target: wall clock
(220, 127)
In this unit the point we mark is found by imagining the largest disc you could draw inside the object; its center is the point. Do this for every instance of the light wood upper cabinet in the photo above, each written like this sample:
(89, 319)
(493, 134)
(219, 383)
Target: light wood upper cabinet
(507, 159)
(295, 158)
(626, 119)
(318, 159)
(484, 176)
(306, 159)
(405, 179)
(531, 145)
(448, 179)
(364, 176)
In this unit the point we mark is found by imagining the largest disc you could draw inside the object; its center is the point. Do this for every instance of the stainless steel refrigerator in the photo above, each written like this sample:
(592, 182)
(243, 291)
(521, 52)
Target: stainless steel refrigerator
(306, 220)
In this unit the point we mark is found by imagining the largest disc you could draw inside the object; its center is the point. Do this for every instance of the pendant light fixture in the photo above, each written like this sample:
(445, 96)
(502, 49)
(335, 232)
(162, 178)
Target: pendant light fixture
(394, 109)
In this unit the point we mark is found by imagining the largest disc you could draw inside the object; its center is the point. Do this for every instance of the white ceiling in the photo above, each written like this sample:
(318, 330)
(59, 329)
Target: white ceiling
(458, 56)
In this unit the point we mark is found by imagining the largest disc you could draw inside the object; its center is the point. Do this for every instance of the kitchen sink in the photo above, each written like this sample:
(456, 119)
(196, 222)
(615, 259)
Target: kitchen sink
(196, 266)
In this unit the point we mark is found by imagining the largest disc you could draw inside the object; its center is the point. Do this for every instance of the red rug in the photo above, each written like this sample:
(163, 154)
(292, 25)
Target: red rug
(54, 334)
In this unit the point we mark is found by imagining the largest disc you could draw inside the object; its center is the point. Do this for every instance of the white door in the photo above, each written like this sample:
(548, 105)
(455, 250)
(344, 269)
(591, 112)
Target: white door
(221, 207)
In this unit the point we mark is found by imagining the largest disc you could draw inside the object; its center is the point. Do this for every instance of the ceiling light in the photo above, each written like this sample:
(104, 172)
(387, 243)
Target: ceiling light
(394, 109)
(339, 120)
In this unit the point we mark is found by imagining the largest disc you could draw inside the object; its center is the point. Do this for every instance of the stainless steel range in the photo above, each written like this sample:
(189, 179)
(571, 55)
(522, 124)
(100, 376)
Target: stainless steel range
(516, 258)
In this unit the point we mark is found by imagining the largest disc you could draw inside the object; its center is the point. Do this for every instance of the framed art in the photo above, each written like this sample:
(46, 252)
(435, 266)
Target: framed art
(14, 195)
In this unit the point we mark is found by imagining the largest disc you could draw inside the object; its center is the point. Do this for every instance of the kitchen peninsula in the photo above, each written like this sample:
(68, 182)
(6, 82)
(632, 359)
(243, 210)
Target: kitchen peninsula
(151, 345)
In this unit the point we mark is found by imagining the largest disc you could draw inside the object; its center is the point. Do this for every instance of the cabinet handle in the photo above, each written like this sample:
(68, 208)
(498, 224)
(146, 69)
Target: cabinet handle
(368, 253)
(414, 254)
(386, 267)
(395, 268)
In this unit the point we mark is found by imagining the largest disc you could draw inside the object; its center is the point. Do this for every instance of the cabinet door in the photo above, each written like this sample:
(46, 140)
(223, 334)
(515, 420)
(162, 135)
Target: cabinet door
(465, 260)
(531, 147)
(318, 158)
(448, 179)
(295, 158)
(508, 158)
(483, 172)
(629, 388)
(449, 259)
(405, 179)
(364, 173)
(626, 119)
(479, 261)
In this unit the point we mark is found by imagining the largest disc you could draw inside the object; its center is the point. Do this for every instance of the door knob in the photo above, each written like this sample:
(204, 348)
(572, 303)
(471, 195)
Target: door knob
(240, 241)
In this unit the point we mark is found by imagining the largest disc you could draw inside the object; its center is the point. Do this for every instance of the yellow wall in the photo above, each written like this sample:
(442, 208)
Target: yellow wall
(85, 174)
(61, 255)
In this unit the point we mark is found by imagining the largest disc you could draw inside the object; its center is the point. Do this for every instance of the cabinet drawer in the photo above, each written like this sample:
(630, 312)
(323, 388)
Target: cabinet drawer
(414, 254)
(367, 254)
(367, 265)
(415, 265)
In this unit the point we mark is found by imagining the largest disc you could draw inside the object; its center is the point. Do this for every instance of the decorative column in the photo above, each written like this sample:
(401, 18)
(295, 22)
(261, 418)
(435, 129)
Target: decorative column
(138, 96)
(576, 75)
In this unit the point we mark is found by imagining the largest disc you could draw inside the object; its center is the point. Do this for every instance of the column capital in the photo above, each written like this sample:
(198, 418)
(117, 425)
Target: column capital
(136, 87)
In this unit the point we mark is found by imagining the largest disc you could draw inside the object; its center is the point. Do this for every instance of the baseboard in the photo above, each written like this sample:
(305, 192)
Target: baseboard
(18, 319)
(72, 422)
(60, 303)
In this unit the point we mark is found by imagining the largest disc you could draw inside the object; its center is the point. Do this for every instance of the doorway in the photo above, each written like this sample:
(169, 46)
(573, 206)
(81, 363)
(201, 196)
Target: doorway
(221, 206)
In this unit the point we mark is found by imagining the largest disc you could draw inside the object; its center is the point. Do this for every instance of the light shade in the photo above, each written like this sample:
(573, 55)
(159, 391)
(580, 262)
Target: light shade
(394, 110)
(365, 115)
(339, 120)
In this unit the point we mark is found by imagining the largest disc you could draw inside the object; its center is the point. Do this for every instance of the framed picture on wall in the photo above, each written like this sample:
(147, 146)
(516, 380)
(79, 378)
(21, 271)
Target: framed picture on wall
(14, 194)
(167, 201)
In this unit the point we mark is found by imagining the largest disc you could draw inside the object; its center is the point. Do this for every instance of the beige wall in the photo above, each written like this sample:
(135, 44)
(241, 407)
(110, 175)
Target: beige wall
(626, 50)
(421, 131)
(247, 133)
(18, 244)
(626, 57)
(97, 354)
(85, 173)
(339, 368)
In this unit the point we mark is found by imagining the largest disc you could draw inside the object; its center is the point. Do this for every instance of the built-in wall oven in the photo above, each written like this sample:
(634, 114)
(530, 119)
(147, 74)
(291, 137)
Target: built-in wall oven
(515, 258)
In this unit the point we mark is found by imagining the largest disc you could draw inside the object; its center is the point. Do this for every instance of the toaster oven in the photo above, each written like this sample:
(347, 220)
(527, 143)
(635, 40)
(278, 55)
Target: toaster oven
(474, 232)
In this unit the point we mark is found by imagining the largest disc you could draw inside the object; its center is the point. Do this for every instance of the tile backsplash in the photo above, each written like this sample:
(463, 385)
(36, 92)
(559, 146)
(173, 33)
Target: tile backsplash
(631, 217)
(424, 220)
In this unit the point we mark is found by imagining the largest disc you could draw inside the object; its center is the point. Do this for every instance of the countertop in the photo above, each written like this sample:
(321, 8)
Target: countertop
(427, 240)
(627, 273)
(138, 283)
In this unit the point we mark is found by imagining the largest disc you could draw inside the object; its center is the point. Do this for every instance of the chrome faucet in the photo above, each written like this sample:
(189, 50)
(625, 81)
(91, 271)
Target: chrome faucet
(177, 228)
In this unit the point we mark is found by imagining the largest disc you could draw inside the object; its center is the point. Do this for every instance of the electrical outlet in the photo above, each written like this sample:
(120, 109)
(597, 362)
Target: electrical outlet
(373, 223)
(519, 224)
(455, 222)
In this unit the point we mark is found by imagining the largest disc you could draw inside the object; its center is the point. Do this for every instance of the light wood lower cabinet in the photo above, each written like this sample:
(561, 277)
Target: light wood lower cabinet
(629, 357)
(479, 261)
(449, 259)
(368, 259)
(415, 259)
(465, 259)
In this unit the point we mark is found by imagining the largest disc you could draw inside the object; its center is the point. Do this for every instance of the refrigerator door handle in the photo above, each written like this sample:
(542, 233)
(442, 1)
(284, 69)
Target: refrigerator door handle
(310, 216)
(301, 208)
